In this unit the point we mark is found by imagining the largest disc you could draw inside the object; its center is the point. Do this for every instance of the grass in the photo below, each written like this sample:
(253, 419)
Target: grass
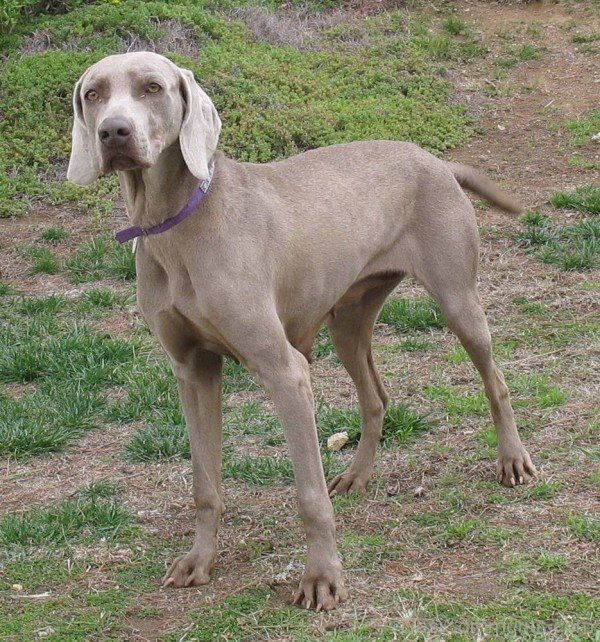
(523, 54)
(260, 471)
(586, 527)
(582, 129)
(43, 261)
(399, 424)
(457, 403)
(54, 235)
(65, 369)
(158, 441)
(95, 514)
(405, 315)
(406, 615)
(100, 258)
(584, 199)
(573, 246)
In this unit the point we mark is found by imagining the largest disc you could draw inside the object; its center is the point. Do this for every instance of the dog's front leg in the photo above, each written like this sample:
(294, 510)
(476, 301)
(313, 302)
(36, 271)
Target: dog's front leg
(199, 379)
(286, 377)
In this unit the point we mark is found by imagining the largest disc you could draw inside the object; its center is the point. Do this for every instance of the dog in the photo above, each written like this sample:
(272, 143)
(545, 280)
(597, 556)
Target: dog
(249, 260)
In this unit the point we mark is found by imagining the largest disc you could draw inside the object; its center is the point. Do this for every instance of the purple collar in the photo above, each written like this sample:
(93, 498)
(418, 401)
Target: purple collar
(132, 232)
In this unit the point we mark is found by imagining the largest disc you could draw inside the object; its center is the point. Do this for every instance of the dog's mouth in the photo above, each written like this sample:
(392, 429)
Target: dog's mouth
(122, 162)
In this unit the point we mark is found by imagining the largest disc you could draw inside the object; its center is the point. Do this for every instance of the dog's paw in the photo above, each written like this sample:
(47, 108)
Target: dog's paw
(348, 482)
(514, 467)
(188, 570)
(322, 591)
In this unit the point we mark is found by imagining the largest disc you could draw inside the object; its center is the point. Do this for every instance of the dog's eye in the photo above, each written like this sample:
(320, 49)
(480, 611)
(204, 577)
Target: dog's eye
(154, 88)
(91, 95)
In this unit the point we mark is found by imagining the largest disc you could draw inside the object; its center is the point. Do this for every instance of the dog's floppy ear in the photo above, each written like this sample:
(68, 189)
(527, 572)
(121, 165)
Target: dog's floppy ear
(84, 166)
(200, 127)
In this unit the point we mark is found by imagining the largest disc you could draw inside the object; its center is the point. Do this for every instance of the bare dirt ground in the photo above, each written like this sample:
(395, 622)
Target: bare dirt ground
(519, 144)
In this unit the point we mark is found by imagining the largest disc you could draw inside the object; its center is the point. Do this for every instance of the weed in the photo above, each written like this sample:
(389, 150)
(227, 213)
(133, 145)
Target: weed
(364, 551)
(6, 289)
(323, 345)
(539, 388)
(250, 419)
(458, 531)
(544, 490)
(248, 615)
(414, 344)
(525, 53)
(458, 403)
(457, 27)
(99, 299)
(69, 367)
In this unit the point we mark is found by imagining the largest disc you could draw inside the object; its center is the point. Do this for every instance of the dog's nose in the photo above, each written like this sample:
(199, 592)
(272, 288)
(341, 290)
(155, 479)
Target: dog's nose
(114, 132)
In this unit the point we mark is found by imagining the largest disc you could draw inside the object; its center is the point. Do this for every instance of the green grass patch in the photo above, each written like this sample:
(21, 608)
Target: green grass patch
(323, 346)
(100, 300)
(544, 490)
(537, 388)
(6, 289)
(405, 315)
(75, 617)
(584, 199)
(573, 246)
(54, 234)
(582, 129)
(361, 551)
(43, 261)
(100, 258)
(546, 561)
(458, 531)
(585, 526)
(87, 518)
(158, 441)
(523, 54)
(414, 344)
(251, 419)
(64, 369)
(405, 615)
(458, 403)
(249, 615)
(260, 471)
(400, 424)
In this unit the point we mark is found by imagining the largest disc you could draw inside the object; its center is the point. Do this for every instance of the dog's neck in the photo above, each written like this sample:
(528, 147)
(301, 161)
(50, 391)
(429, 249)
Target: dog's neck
(155, 194)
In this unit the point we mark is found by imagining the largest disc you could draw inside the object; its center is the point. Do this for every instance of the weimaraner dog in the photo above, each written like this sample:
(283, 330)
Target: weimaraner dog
(271, 253)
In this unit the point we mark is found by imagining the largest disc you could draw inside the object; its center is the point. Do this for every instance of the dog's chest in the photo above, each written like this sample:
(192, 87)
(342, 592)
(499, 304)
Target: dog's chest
(177, 313)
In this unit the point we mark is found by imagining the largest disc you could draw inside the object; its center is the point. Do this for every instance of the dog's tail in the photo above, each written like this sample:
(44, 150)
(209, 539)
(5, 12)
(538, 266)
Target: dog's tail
(480, 184)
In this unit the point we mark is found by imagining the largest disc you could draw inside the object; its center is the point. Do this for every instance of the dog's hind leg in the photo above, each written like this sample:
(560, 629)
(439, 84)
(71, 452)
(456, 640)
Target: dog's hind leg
(351, 326)
(447, 268)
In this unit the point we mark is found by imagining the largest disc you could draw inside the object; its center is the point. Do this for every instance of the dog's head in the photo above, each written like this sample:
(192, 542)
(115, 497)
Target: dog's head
(130, 107)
